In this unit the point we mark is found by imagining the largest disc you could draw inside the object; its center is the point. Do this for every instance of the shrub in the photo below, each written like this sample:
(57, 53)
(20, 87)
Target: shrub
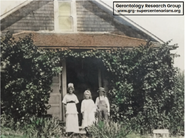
(9, 128)
(109, 129)
(34, 128)
(176, 115)
(27, 75)
(142, 82)
(42, 127)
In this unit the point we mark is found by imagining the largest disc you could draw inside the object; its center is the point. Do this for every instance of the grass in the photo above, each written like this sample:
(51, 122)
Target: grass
(47, 128)
(9, 133)
(12, 136)
(132, 135)
(34, 128)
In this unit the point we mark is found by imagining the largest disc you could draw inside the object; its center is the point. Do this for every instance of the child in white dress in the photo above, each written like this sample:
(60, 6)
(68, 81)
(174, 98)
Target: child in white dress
(70, 100)
(88, 109)
(102, 104)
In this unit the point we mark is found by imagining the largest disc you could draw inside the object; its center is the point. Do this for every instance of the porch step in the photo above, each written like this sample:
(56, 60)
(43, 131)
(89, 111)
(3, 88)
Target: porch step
(81, 130)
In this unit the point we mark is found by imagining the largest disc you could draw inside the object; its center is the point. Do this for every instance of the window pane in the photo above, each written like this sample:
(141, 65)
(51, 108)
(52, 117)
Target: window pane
(65, 23)
(64, 8)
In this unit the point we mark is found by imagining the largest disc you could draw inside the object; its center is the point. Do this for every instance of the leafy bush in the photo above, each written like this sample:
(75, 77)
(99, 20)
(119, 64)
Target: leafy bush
(27, 75)
(43, 127)
(109, 129)
(142, 82)
(9, 128)
(176, 115)
(9, 133)
(34, 128)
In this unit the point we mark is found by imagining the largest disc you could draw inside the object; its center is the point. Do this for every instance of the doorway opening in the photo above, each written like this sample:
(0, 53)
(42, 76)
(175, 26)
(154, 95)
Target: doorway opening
(84, 74)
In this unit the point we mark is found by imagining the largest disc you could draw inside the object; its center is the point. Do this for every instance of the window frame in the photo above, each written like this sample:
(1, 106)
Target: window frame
(73, 15)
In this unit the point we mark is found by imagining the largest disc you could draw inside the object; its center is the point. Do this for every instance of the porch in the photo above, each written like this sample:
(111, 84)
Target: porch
(84, 73)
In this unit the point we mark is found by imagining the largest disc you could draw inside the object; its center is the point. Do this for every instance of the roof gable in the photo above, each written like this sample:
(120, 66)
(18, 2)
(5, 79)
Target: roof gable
(122, 22)
(35, 15)
(92, 16)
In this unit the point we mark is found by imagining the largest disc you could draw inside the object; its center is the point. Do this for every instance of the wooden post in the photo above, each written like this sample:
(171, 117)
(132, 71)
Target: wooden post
(105, 84)
(64, 86)
(99, 78)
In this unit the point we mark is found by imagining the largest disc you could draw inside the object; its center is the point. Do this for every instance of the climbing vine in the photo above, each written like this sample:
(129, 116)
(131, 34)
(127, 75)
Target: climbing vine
(141, 88)
(26, 74)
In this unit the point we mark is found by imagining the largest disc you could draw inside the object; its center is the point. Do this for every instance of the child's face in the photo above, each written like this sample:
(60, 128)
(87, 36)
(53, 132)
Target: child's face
(87, 96)
(70, 90)
(101, 93)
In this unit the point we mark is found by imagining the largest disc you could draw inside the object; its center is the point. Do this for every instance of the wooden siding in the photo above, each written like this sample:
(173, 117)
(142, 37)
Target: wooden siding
(91, 18)
(35, 16)
(55, 98)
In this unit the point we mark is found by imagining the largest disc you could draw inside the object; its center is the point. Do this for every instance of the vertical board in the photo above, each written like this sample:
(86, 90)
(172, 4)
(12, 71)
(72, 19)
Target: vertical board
(64, 86)
(55, 98)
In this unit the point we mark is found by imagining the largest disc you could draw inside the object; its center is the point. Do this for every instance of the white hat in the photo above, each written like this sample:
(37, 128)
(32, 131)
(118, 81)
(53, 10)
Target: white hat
(70, 85)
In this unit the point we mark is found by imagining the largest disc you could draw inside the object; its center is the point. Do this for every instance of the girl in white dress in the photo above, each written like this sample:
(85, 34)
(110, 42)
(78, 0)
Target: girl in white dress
(88, 109)
(70, 100)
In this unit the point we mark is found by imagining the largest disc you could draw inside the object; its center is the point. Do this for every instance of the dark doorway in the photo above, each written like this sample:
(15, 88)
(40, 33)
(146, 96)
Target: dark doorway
(83, 72)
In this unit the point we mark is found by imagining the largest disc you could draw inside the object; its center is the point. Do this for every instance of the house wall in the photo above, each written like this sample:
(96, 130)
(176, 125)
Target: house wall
(35, 16)
(92, 18)
(55, 98)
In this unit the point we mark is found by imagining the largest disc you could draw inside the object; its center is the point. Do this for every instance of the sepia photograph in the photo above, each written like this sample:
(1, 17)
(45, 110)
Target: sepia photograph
(92, 69)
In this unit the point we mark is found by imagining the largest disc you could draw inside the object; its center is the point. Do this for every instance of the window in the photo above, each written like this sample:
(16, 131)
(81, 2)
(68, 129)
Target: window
(65, 18)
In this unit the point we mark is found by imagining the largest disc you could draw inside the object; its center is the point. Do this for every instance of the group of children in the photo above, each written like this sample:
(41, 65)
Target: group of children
(88, 109)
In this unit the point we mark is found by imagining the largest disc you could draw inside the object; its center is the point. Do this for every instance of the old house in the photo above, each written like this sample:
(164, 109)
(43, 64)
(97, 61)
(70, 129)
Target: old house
(77, 25)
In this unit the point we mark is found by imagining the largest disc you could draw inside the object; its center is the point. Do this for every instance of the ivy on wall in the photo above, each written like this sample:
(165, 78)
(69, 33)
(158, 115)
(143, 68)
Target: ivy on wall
(26, 75)
(142, 82)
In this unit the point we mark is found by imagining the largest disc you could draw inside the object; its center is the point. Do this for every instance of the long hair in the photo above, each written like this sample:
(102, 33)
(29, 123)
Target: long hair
(89, 93)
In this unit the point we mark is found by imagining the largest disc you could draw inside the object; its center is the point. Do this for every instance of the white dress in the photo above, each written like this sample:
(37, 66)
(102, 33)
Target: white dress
(70, 100)
(88, 108)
